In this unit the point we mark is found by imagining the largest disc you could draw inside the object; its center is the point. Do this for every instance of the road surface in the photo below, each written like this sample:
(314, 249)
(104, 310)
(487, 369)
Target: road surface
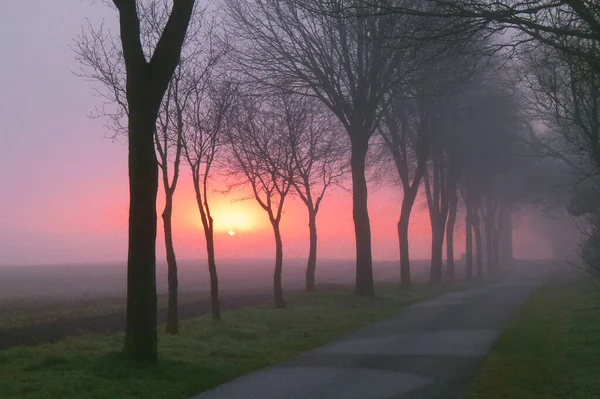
(429, 350)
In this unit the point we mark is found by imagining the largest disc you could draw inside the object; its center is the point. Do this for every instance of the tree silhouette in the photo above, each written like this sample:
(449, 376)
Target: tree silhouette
(319, 161)
(101, 57)
(258, 129)
(203, 142)
(146, 84)
(346, 63)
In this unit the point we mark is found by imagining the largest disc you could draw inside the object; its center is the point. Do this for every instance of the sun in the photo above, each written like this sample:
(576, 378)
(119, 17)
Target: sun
(232, 220)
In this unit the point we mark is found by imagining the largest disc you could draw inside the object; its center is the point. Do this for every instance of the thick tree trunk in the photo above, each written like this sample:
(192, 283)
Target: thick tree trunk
(405, 280)
(312, 252)
(452, 208)
(437, 249)
(496, 249)
(362, 226)
(478, 245)
(469, 244)
(212, 271)
(488, 221)
(173, 283)
(146, 85)
(277, 286)
(437, 192)
(140, 328)
(506, 230)
(407, 204)
(509, 256)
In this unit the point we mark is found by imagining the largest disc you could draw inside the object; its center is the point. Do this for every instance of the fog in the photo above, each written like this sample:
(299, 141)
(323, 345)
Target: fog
(64, 224)
(68, 282)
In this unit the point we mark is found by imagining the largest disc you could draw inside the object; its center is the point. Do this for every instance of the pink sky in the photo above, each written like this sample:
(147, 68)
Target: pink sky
(65, 185)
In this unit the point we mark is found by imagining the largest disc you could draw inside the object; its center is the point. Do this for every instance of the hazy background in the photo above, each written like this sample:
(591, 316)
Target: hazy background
(64, 184)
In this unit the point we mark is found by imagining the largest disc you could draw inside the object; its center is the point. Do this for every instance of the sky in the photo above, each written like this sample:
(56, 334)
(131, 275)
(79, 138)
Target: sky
(64, 183)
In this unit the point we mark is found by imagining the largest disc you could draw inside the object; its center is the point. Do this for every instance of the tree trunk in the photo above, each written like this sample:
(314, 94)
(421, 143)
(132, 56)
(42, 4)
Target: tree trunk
(452, 208)
(146, 85)
(407, 204)
(496, 248)
(312, 252)
(277, 286)
(212, 271)
(506, 230)
(437, 200)
(437, 249)
(508, 239)
(488, 221)
(478, 245)
(207, 225)
(140, 329)
(405, 280)
(362, 227)
(469, 244)
(172, 307)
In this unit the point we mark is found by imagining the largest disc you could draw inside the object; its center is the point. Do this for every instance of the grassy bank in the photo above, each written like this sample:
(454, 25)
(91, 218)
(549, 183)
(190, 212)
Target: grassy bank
(550, 350)
(202, 356)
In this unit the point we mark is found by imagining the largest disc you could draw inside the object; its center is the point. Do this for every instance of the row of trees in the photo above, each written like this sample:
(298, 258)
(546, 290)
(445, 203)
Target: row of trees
(417, 90)
(277, 143)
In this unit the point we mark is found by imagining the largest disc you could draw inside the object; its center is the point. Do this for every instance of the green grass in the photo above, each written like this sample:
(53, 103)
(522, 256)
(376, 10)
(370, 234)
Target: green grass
(205, 354)
(550, 350)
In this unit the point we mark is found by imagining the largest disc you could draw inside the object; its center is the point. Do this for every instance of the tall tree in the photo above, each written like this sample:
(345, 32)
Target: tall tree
(441, 107)
(450, 224)
(439, 186)
(146, 83)
(347, 63)
(168, 131)
(203, 142)
(468, 234)
(491, 162)
(406, 138)
(565, 96)
(151, 39)
(319, 161)
(258, 129)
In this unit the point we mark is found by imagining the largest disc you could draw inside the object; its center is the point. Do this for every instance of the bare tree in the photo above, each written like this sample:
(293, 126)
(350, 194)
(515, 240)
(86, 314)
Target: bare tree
(450, 224)
(169, 131)
(566, 98)
(148, 71)
(346, 63)
(203, 142)
(101, 57)
(407, 142)
(564, 25)
(166, 133)
(439, 108)
(319, 161)
(438, 186)
(491, 163)
(258, 129)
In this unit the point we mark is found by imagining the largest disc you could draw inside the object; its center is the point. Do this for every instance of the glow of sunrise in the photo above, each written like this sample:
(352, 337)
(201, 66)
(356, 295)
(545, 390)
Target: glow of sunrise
(233, 219)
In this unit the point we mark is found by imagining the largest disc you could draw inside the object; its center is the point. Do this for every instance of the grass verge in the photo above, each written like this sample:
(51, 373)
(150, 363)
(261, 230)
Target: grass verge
(550, 350)
(204, 355)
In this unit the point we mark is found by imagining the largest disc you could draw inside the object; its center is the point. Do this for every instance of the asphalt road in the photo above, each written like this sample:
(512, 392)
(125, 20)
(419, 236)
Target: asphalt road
(429, 350)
